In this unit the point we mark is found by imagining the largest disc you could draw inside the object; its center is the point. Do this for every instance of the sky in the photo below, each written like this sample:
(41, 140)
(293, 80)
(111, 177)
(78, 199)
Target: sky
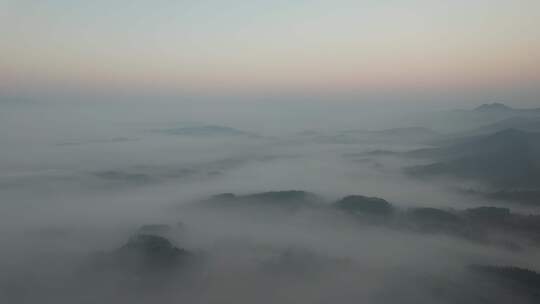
(251, 46)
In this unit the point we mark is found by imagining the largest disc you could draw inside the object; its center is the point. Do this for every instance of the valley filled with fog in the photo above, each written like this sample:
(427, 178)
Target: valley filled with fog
(310, 203)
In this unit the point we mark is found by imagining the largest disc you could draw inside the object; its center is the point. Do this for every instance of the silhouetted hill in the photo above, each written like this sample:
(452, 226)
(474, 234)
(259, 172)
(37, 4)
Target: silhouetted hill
(487, 225)
(465, 120)
(488, 213)
(359, 204)
(145, 254)
(521, 279)
(493, 107)
(530, 124)
(500, 107)
(508, 158)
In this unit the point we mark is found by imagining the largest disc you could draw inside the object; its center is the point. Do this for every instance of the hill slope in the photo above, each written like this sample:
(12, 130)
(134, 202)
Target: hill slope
(507, 159)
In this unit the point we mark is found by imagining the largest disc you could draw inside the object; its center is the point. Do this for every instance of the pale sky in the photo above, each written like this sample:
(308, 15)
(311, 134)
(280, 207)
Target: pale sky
(269, 45)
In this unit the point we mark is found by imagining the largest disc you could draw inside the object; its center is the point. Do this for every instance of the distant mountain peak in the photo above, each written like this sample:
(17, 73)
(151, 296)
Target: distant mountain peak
(496, 106)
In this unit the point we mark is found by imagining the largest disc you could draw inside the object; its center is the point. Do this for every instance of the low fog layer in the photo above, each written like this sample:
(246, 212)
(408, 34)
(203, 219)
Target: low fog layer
(120, 204)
